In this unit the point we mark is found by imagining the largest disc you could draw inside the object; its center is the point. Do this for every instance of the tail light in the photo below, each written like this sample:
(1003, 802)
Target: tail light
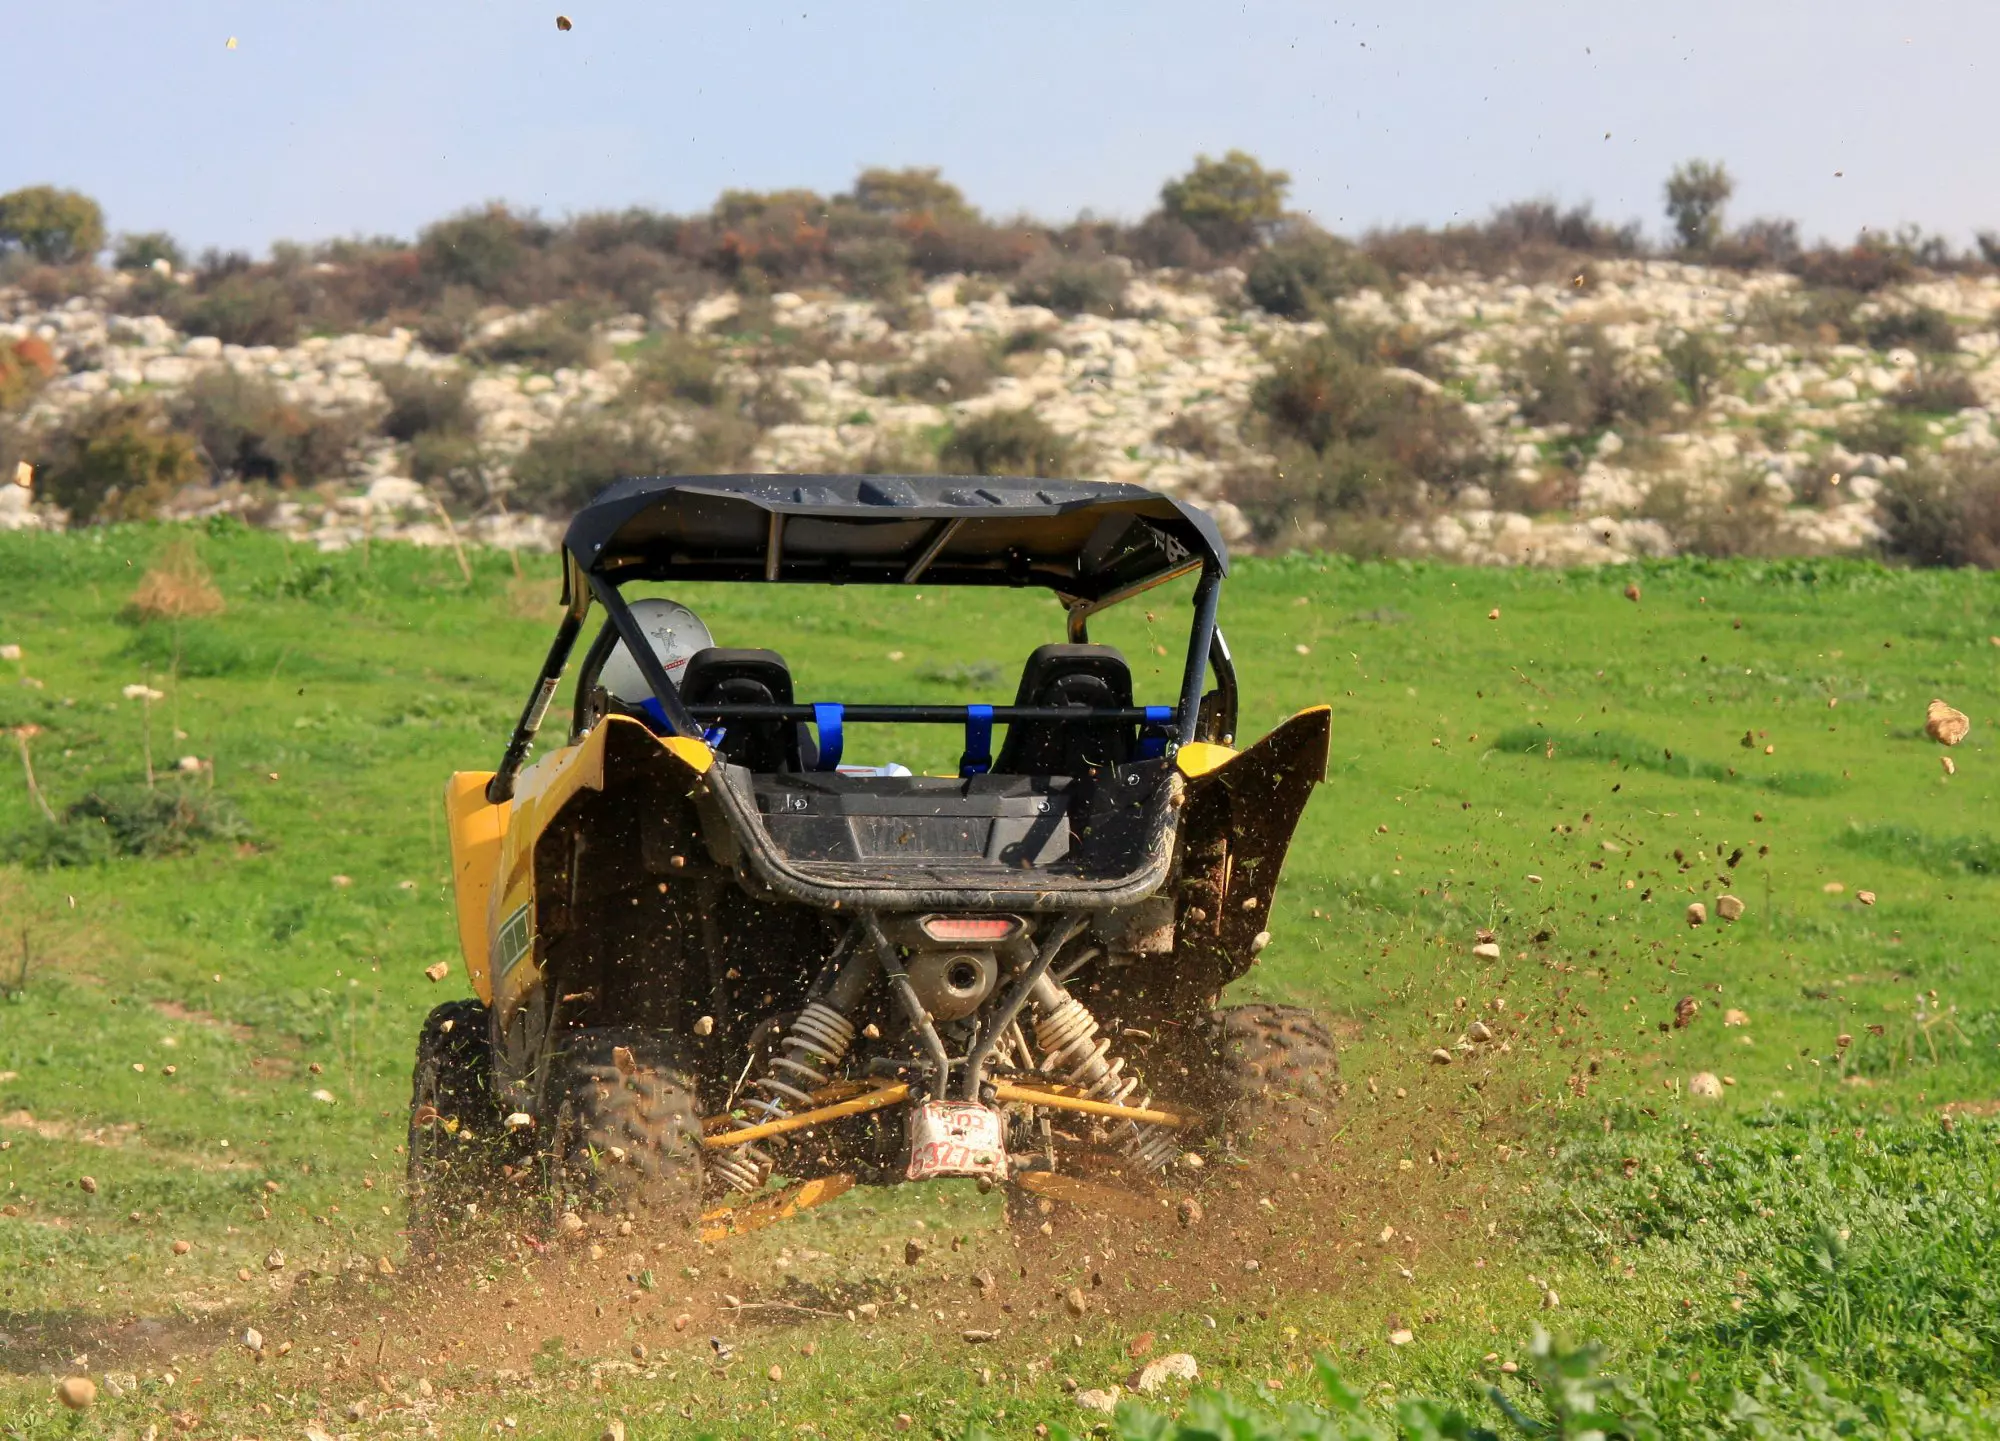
(970, 930)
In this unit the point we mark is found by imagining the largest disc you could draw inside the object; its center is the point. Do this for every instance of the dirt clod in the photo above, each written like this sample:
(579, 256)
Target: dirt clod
(1730, 908)
(614, 1430)
(1479, 1032)
(1697, 914)
(1179, 1366)
(1075, 1302)
(913, 1251)
(1944, 725)
(1867, 898)
(1440, 1057)
(1705, 1086)
(87, 1184)
(1189, 1211)
(78, 1393)
(181, 1248)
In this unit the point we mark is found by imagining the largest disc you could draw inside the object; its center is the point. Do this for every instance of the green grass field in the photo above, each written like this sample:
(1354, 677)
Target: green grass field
(220, 1040)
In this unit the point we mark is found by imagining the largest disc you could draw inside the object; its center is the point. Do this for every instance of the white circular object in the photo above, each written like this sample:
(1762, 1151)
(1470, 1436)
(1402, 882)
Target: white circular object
(675, 633)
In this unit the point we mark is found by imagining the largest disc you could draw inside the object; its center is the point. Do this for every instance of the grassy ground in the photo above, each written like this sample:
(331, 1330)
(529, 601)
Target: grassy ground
(220, 1040)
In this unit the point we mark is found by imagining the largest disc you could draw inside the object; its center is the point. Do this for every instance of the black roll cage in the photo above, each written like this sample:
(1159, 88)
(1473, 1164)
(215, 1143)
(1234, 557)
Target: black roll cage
(1207, 650)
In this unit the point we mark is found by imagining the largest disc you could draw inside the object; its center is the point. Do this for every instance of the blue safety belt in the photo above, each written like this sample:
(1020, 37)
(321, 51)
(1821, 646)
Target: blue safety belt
(826, 715)
(657, 714)
(1151, 746)
(978, 757)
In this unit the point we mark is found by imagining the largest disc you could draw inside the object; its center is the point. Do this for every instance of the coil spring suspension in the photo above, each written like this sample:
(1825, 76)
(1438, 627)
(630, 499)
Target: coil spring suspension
(813, 1047)
(1066, 1034)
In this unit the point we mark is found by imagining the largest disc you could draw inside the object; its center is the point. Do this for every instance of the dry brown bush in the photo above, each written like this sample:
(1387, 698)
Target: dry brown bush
(177, 586)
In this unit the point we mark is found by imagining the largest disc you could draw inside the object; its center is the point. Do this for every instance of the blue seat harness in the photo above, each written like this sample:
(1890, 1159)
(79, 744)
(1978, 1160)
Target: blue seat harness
(977, 759)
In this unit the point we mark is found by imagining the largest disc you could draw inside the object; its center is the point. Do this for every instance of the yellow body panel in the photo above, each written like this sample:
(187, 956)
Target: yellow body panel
(477, 828)
(493, 853)
(1198, 758)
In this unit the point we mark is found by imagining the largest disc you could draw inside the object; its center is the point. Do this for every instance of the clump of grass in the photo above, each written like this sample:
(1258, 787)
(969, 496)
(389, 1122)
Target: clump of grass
(1623, 749)
(1841, 1272)
(177, 587)
(1976, 855)
(129, 821)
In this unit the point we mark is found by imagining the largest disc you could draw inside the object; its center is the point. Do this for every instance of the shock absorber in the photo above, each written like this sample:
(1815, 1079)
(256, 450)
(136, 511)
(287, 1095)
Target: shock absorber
(807, 1058)
(1067, 1035)
(813, 1048)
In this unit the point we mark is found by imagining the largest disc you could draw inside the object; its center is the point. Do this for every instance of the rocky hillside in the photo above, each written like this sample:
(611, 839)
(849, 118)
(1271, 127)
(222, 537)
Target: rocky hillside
(1637, 407)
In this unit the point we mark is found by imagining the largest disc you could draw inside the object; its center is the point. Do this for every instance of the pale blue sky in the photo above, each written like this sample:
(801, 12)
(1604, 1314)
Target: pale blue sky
(364, 116)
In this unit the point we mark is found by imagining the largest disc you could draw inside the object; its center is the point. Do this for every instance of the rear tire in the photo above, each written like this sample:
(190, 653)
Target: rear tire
(455, 1135)
(627, 1133)
(1268, 1063)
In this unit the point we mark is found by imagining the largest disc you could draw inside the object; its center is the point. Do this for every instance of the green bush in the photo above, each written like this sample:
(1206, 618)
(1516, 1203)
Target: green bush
(559, 338)
(1006, 442)
(251, 432)
(487, 251)
(1358, 448)
(1228, 203)
(424, 400)
(56, 227)
(118, 460)
(957, 371)
(245, 309)
(1944, 510)
(1916, 327)
(138, 252)
(1935, 389)
(1587, 385)
(1697, 363)
(1072, 285)
(1304, 271)
(566, 465)
(1697, 191)
(455, 465)
(170, 820)
(677, 367)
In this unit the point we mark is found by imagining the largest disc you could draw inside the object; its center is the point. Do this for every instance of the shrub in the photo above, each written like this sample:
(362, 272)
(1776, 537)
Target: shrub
(1917, 327)
(917, 190)
(1762, 244)
(1005, 442)
(251, 432)
(1072, 285)
(1732, 515)
(486, 251)
(876, 265)
(1228, 203)
(1810, 315)
(677, 367)
(455, 464)
(1304, 271)
(138, 252)
(1696, 363)
(25, 367)
(170, 820)
(56, 227)
(448, 324)
(559, 338)
(1697, 191)
(1531, 238)
(566, 465)
(1882, 432)
(1866, 267)
(177, 586)
(117, 461)
(1935, 389)
(1356, 446)
(1195, 434)
(1160, 241)
(245, 309)
(424, 400)
(957, 371)
(1943, 511)
(1590, 386)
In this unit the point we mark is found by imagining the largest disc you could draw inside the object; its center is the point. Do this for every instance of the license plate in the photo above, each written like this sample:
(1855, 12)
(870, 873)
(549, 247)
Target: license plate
(956, 1138)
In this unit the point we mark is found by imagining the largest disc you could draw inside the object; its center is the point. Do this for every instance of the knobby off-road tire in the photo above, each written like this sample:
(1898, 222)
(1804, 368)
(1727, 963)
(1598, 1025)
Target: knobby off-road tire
(1267, 1064)
(626, 1134)
(456, 1137)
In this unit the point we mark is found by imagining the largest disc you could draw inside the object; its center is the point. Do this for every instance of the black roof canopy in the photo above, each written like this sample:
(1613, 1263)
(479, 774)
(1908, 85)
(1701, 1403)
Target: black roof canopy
(1086, 540)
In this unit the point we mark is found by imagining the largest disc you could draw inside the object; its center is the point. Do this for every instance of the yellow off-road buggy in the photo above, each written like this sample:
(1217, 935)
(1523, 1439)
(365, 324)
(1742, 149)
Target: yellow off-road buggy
(706, 954)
